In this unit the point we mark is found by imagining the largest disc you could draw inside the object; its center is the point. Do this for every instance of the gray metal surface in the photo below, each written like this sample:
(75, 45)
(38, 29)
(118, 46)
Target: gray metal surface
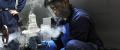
(4, 49)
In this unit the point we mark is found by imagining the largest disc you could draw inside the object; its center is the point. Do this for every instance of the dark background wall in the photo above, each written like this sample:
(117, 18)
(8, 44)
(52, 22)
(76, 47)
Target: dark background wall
(106, 14)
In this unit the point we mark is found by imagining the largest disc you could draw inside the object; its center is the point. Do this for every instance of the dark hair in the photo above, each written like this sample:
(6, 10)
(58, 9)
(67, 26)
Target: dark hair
(48, 2)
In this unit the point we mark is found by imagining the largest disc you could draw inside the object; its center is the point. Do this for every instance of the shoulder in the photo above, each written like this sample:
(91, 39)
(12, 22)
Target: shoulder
(79, 14)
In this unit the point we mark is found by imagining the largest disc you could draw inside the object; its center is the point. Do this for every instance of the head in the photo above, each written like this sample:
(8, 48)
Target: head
(61, 8)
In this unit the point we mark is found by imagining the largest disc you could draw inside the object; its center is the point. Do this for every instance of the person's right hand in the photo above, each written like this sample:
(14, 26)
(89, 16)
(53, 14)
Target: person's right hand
(13, 12)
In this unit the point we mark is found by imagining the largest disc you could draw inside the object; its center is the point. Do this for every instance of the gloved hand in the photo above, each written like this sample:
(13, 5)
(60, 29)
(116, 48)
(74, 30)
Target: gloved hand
(45, 43)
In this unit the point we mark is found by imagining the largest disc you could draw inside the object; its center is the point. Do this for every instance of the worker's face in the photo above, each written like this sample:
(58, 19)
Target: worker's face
(61, 9)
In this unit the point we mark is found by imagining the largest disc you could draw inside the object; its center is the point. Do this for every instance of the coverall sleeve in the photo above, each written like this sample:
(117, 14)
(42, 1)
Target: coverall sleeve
(21, 4)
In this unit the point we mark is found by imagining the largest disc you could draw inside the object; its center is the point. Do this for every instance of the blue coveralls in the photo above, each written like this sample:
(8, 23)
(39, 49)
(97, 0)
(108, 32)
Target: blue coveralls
(75, 44)
(8, 19)
(80, 33)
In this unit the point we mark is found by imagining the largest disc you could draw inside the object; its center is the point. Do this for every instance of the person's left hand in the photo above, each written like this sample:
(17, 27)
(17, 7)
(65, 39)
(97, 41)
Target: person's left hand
(14, 12)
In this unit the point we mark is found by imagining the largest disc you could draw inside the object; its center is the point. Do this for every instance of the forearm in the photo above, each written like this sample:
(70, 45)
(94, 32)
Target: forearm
(21, 4)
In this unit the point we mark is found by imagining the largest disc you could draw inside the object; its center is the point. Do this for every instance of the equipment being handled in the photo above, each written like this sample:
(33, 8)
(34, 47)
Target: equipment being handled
(5, 34)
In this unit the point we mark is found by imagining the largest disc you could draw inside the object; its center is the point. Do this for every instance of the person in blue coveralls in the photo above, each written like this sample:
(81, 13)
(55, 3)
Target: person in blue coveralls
(79, 29)
(9, 10)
